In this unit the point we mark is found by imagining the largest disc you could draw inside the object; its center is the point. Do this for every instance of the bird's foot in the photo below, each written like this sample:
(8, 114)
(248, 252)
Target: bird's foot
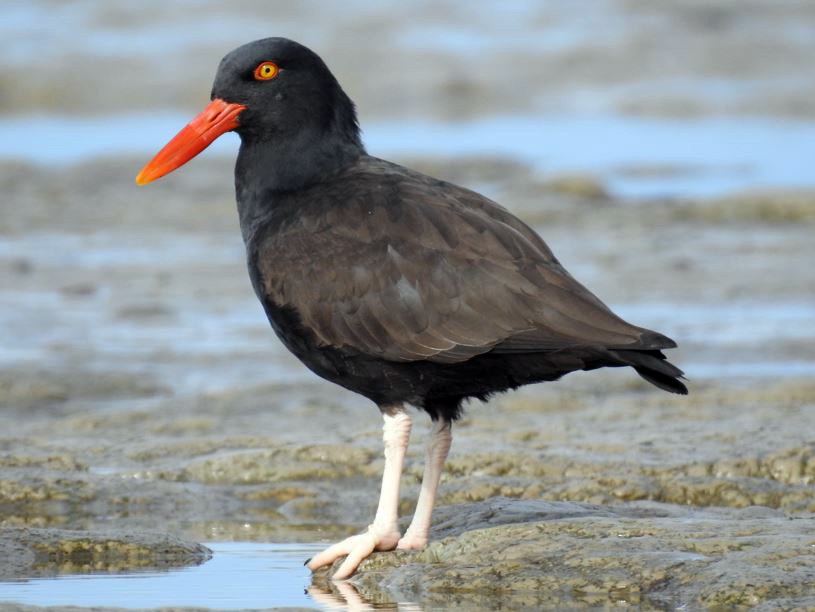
(358, 548)
(412, 541)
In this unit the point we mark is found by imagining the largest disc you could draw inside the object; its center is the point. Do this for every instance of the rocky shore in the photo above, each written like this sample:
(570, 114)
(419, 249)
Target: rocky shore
(143, 395)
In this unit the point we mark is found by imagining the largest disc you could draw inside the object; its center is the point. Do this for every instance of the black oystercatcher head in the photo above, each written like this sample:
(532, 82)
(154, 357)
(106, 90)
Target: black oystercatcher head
(271, 90)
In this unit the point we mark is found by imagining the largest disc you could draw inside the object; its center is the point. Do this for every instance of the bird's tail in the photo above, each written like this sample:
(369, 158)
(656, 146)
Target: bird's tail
(655, 368)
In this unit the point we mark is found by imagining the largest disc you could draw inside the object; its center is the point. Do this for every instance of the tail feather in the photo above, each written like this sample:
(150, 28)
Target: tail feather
(655, 368)
(658, 379)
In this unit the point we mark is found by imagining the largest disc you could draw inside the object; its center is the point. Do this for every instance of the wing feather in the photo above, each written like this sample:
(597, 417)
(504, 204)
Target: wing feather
(424, 270)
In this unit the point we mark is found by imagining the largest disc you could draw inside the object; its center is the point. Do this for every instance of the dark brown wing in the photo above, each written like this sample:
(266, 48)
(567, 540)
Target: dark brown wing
(409, 268)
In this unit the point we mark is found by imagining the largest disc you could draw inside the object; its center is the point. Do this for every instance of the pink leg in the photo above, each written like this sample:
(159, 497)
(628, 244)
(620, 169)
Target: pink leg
(383, 533)
(437, 448)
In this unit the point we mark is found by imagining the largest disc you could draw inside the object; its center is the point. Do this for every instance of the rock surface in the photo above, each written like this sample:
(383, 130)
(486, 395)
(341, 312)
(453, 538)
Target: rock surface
(140, 385)
(534, 554)
(27, 552)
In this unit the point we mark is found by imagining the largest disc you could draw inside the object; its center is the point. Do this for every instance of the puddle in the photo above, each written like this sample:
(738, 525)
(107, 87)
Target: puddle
(239, 575)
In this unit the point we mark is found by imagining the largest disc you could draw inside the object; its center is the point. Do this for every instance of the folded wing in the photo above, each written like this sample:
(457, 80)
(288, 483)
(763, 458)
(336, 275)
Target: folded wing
(423, 270)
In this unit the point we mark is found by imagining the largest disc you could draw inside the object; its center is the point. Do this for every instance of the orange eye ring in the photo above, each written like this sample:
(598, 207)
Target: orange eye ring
(266, 71)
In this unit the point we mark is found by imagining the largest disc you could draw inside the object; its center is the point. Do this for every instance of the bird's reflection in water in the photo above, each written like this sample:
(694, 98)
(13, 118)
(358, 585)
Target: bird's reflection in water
(344, 596)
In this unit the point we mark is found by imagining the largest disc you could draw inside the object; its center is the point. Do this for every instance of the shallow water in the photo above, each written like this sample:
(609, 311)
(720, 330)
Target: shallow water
(239, 575)
(636, 157)
(227, 335)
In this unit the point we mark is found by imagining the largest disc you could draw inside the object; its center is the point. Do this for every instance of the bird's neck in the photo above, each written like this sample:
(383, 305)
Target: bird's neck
(266, 170)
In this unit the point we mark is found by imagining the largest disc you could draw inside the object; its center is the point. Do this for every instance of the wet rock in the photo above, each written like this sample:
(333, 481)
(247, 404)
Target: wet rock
(32, 488)
(25, 552)
(144, 312)
(78, 289)
(778, 480)
(659, 170)
(579, 186)
(769, 207)
(22, 389)
(539, 553)
(21, 266)
(313, 462)
(62, 462)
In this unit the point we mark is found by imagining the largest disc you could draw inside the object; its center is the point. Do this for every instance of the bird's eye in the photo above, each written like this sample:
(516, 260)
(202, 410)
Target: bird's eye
(266, 71)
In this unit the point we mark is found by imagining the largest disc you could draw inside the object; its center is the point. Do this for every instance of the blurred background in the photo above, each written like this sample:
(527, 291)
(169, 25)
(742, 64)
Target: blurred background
(665, 151)
(654, 97)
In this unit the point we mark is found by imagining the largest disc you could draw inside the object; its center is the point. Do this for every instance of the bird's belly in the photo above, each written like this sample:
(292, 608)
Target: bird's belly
(327, 362)
(380, 381)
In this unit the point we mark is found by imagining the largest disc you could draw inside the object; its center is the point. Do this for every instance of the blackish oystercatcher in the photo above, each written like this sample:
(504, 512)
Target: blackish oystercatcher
(401, 287)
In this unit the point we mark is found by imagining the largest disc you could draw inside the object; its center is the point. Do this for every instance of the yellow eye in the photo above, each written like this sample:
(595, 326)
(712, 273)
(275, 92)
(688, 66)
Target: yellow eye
(266, 71)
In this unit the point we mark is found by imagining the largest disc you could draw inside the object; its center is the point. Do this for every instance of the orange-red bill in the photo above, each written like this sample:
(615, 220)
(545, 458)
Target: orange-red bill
(216, 119)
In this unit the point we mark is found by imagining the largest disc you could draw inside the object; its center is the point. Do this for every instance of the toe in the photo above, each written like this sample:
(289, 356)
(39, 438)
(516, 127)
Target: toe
(363, 549)
(330, 554)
